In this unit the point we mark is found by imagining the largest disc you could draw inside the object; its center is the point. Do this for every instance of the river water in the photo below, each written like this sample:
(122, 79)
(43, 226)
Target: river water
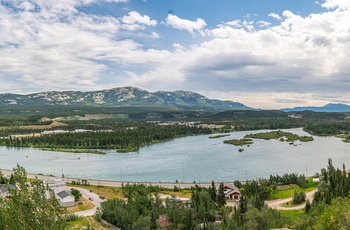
(188, 159)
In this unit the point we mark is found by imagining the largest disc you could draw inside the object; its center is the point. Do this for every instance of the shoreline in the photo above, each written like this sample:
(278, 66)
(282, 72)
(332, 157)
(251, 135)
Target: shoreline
(113, 183)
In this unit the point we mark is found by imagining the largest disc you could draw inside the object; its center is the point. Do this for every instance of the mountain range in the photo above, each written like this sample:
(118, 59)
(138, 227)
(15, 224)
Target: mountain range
(326, 108)
(122, 96)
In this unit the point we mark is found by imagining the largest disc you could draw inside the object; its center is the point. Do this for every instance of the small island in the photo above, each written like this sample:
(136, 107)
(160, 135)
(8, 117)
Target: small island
(239, 142)
(345, 137)
(280, 135)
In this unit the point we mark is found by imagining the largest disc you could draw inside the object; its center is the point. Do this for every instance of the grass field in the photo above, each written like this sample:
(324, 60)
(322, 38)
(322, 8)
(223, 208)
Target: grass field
(293, 214)
(86, 205)
(85, 222)
(106, 191)
(289, 190)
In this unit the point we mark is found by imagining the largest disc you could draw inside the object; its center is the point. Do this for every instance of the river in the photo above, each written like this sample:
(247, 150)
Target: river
(188, 159)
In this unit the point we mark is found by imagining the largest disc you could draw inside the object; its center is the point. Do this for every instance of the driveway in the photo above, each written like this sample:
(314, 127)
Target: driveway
(92, 197)
(277, 204)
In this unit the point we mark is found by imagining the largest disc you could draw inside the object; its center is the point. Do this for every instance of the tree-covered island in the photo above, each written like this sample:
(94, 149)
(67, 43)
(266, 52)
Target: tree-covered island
(287, 136)
(239, 142)
(125, 139)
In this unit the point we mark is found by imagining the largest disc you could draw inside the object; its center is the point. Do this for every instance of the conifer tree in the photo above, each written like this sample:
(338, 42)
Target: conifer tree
(221, 199)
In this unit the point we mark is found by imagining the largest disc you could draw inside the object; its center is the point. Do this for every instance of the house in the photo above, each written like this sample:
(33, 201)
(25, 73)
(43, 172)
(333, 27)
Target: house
(58, 186)
(66, 199)
(4, 190)
(231, 192)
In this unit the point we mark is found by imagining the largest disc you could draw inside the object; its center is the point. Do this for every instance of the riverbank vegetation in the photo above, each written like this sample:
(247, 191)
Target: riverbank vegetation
(128, 139)
(74, 150)
(33, 120)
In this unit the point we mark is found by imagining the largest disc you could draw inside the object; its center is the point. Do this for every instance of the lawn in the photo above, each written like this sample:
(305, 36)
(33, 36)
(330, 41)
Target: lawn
(293, 214)
(286, 193)
(185, 193)
(84, 205)
(106, 191)
(290, 189)
(85, 222)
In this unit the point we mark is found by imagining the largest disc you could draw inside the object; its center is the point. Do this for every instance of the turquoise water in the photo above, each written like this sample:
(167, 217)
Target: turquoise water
(188, 159)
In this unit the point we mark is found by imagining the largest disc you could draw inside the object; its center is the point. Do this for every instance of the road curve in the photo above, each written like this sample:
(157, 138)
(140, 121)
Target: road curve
(92, 197)
(277, 204)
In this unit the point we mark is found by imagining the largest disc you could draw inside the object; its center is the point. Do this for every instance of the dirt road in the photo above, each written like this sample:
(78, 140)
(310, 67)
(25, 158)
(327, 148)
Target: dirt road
(277, 204)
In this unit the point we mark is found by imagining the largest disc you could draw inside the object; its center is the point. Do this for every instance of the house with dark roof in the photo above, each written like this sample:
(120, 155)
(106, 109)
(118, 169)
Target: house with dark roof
(66, 199)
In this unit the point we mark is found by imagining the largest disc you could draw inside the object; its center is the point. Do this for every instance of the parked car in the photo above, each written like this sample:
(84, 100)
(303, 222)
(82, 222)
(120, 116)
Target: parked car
(90, 198)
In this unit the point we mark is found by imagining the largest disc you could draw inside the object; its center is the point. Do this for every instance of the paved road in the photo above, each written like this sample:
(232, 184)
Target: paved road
(112, 183)
(87, 194)
(277, 204)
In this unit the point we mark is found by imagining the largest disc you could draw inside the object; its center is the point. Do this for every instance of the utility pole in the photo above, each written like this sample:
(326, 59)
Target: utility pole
(98, 187)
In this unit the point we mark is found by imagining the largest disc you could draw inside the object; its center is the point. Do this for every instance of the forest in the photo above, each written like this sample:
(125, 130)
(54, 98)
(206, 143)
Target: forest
(206, 209)
(127, 139)
(127, 129)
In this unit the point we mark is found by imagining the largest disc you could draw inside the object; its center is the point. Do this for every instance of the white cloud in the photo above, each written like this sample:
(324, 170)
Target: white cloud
(135, 21)
(51, 45)
(263, 24)
(275, 16)
(248, 25)
(116, 1)
(184, 24)
(155, 35)
(235, 23)
(301, 55)
(55, 46)
(336, 4)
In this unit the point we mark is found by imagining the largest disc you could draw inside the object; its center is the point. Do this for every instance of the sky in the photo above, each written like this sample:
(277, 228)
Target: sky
(263, 53)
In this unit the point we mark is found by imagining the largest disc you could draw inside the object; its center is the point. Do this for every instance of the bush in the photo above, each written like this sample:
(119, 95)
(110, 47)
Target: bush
(299, 198)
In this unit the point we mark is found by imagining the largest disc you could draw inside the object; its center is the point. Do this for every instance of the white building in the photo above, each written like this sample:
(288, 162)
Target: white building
(58, 186)
(66, 199)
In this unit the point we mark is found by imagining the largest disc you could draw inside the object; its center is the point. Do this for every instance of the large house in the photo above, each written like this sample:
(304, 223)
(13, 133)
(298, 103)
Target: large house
(231, 192)
(65, 198)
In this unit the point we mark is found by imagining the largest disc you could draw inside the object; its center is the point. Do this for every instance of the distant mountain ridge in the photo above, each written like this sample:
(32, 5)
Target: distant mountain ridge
(122, 96)
(331, 107)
